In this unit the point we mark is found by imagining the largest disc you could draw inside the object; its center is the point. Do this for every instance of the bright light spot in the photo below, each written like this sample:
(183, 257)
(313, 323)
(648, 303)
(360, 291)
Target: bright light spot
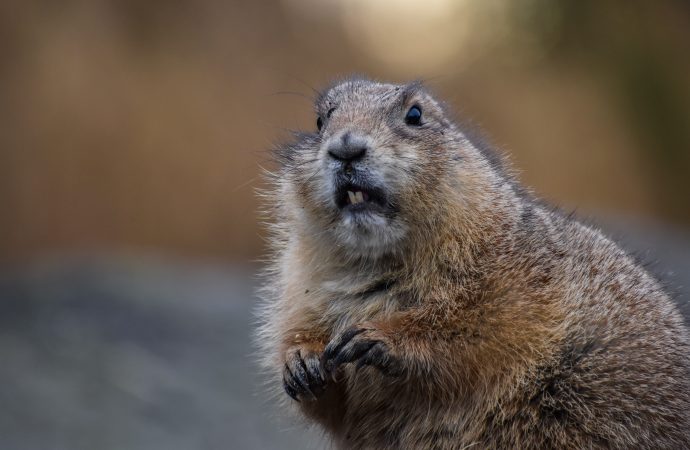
(416, 37)
(407, 34)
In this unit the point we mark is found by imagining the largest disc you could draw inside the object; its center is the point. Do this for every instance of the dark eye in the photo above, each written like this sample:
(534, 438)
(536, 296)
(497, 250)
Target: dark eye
(414, 116)
(328, 114)
(319, 123)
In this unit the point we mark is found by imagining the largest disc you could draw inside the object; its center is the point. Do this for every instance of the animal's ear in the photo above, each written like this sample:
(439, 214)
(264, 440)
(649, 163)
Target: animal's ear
(325, 98)
(411, 89)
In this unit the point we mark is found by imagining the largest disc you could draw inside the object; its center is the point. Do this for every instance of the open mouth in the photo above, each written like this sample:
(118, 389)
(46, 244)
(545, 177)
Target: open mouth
(353, 197)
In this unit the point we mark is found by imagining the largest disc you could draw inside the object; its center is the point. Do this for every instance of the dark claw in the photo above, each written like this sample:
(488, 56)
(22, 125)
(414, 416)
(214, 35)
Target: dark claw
(376, 356)
(316, 378)
(290, 391)
(302, 377)
(363, 350)
(299, 372)
(335, 346)
(352, 351)
(379, 357)
(291, 385)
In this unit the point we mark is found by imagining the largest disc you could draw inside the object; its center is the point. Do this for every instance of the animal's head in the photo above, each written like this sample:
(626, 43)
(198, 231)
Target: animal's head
(374, 170)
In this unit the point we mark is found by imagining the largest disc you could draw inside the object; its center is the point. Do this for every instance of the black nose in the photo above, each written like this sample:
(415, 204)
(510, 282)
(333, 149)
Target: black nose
(348, 148)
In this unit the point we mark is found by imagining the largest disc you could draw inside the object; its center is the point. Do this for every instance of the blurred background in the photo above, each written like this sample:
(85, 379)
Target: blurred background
(131, 139)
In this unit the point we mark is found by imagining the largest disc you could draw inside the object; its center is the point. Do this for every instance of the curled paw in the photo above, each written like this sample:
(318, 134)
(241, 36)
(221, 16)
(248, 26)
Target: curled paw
(363, 345)
(303, 378)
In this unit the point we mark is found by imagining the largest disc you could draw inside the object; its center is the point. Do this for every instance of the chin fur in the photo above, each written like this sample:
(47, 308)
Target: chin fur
(369, 234)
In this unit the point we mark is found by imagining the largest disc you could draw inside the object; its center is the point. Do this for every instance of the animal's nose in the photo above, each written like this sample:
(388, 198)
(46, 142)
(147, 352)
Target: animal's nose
(349, 147)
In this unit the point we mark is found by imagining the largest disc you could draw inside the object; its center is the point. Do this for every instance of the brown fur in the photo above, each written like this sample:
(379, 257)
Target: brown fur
(493, 321)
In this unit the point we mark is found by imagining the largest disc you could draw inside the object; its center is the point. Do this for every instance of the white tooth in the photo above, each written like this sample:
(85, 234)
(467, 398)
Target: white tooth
(353, 198)
(360, 197)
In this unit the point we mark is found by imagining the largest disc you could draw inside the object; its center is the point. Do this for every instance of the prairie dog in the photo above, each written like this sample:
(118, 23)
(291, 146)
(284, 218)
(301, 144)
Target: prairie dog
(419, 297)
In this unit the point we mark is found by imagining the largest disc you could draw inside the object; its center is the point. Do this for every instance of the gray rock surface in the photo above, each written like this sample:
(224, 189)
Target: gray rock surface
(132, 354)
(141, 353)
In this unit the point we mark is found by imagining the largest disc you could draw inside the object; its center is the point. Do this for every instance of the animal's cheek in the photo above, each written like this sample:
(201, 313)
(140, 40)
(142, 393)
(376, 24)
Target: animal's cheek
(318, 177)
(398, 174)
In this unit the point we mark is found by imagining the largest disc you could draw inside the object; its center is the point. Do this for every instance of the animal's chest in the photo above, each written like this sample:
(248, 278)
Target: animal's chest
(349, 299)
(346, 310)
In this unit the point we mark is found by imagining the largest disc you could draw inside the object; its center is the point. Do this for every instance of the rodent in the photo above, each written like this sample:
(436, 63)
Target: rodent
(419, 297)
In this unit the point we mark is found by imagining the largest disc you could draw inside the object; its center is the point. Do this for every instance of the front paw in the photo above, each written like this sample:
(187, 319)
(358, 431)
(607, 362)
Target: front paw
(302, 375)
(363, 344)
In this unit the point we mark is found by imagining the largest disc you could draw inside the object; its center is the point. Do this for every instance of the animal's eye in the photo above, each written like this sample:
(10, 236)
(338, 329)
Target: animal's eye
(319, 123)
(414, 116)
(328, 114)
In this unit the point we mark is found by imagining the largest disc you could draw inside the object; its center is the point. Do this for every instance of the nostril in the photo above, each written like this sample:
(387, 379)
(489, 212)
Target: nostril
(347, 153)
(359, 152)
(348, 147)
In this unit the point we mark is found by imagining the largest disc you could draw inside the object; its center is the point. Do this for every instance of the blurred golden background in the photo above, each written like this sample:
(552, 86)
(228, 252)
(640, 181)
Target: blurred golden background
(142, 125)
(132, 134)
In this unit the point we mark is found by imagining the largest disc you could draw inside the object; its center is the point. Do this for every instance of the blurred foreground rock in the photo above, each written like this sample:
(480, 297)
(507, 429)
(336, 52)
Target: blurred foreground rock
(132, 354)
